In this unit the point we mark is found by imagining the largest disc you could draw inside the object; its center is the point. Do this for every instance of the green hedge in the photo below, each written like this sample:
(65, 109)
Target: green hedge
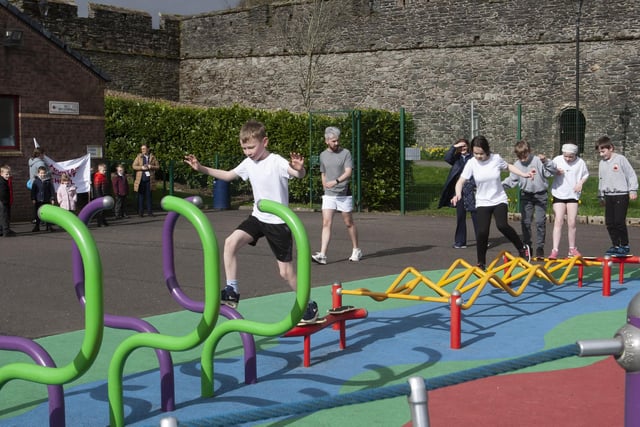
(212, 135)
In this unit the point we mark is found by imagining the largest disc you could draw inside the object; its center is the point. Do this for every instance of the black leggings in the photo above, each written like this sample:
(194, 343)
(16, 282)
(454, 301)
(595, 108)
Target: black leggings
(499, 212)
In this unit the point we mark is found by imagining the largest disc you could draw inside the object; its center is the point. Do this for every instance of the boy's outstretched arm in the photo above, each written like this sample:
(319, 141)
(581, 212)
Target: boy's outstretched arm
(224, 175)
(296, 166)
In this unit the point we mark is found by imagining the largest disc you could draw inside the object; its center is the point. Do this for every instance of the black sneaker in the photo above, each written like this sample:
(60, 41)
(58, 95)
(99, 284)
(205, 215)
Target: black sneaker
(613, 250)
(525, 253)
(482, 266)
(311, 314)
(229, 297)
(341, 309)
(540, 252)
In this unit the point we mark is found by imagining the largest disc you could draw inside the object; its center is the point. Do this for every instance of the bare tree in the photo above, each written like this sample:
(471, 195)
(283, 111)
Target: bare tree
(308, 32)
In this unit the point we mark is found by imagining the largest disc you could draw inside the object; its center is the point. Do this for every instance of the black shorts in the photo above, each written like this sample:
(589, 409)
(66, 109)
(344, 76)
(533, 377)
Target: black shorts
(565, 201)
(278, 236)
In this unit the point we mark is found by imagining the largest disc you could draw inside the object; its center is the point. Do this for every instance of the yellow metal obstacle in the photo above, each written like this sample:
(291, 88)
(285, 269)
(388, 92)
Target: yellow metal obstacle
(512, 276)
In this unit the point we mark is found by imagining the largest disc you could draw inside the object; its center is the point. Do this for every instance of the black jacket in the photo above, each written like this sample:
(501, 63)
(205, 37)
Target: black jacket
(5, 194)
(457, 163)
(42, 191)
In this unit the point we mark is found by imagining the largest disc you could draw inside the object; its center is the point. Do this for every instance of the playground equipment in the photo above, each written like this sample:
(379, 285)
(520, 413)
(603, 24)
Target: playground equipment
(512, 276)
(625, 347)
(165, 362)
(265, 329)
(338, 321)
(168, 268)
(607, 262)
(162, 341)
(46, 371)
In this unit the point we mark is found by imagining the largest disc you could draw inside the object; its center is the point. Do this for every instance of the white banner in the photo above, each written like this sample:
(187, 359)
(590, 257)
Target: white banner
(79, 171)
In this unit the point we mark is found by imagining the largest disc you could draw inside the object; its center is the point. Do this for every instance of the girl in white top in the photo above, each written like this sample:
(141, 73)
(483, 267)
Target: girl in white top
(67, 194)
(570, 173)
(491, 199)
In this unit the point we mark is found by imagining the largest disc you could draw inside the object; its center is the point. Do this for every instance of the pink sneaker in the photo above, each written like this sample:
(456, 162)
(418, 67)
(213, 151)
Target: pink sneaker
(574, 252)
(553, 254)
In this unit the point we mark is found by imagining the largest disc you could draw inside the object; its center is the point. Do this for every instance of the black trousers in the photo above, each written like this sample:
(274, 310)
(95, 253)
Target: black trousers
(615, 218)
(499, 213)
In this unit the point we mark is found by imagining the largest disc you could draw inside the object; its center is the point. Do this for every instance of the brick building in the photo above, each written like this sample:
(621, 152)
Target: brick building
(48, 92)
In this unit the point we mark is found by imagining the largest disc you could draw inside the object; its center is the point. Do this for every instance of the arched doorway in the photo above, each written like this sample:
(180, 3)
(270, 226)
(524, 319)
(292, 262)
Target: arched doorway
(572, 127)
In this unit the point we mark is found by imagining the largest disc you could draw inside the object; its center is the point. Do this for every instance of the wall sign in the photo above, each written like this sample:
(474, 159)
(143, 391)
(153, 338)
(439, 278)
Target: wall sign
(59, 107)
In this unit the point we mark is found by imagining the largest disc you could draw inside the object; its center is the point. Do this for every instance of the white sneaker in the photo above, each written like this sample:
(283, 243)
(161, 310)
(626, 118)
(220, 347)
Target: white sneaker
(356, 255)
(319, 257)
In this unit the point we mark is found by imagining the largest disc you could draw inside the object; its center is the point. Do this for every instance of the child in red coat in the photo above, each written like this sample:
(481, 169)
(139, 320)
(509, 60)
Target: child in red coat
(100, 189)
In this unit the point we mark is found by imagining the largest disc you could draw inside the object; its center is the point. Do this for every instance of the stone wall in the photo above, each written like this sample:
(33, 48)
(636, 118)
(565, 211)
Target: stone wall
(432, 57)
(435, 58)
(121, 42)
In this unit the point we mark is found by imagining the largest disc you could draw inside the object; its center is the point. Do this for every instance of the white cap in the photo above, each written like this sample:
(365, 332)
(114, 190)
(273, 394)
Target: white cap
(570, 148)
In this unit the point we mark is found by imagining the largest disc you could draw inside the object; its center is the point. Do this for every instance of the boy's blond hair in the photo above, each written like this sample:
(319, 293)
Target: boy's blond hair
(5, 168)
(252, 129)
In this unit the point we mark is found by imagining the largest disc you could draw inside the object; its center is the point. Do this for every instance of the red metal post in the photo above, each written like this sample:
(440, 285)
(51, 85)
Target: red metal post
(336, 301)
(455, 302)
(580, 274)
(606, 276)
(343, 334)
(307, 351)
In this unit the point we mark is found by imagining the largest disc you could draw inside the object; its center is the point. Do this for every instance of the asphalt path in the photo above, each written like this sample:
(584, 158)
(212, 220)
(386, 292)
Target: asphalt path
(38, 298)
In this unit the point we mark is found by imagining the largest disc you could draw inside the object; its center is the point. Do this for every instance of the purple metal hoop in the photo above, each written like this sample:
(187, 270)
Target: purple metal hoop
(168, 267)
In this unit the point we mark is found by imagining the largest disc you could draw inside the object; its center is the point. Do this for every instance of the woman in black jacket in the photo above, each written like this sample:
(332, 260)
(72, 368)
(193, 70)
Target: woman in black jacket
(457, 157)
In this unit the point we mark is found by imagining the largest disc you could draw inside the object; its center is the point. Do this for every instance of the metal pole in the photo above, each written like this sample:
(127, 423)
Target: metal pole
(310, 154)
(455, 301)
(519, 130)
(606, 276)
(518, 138)
(171, 176)
(169, 422)
(402, 160)
(418, 402)
(577, 118)
(625, 347)
(472, 120)
(359, 156)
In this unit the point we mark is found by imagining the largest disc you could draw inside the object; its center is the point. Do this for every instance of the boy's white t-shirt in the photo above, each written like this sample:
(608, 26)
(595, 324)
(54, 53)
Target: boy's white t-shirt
(486, 173)
(269, 181)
